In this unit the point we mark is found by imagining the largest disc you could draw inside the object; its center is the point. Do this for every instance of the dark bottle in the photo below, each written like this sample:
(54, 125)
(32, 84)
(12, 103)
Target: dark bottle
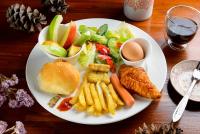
(181, 30)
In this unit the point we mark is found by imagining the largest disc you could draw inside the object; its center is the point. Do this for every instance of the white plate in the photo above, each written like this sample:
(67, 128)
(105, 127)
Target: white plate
(181, 78)
(157, 70)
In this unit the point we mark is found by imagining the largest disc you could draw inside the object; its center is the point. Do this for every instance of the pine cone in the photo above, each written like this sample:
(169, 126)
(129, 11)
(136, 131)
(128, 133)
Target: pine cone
(158, 129)
(21, 18)
(56, 6)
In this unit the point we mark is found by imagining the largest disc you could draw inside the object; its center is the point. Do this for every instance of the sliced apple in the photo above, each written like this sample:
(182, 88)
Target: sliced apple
(54, 48)
(73, 50)
(64, 36)
(69, 35)
(54, 27)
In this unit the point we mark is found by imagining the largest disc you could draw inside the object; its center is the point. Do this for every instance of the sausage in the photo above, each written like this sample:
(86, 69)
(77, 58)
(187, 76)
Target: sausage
(124, 94)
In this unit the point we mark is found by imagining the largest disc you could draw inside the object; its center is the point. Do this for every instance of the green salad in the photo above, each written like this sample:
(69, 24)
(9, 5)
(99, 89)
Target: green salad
(100, 44)
(107, 44)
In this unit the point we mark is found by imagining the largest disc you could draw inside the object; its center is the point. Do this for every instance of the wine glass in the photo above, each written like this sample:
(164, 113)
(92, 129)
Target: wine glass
(181, 24)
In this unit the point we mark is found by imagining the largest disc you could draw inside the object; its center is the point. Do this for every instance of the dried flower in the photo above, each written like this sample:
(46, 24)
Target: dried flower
(2, 99)
(3, 126)
(7, 82)
(4, 85)
(19, 128)
(23, 98)
(17, 97)
(13, 80)
(13, 103)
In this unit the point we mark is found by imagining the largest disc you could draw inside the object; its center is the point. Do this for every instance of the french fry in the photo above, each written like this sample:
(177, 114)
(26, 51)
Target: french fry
(91, 110)
(94, 77)
(79, 107)
(101, 97)
(96, 113)
(95, 97)
(106, 78)
(111, 104)
(87, 93)
(99, 67)
(114, 95)
(81, 97)
(75, 98)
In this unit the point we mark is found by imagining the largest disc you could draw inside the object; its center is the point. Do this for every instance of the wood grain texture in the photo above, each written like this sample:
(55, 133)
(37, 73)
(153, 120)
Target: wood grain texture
(15, 47)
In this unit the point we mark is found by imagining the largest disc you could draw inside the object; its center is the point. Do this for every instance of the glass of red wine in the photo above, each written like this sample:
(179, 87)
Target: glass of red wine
(181, 23)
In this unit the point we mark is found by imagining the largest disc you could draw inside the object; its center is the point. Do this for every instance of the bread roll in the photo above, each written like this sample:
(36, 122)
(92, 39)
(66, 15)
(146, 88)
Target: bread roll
(58, 77)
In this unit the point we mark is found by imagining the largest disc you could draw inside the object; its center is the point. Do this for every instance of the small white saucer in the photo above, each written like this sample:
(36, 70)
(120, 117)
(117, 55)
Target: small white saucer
(181, 78)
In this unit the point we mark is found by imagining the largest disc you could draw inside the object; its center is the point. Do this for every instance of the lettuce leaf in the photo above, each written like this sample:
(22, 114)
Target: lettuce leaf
(114, 50)
(111, 34)
(124, 32)
(84, 28)
(87, 55)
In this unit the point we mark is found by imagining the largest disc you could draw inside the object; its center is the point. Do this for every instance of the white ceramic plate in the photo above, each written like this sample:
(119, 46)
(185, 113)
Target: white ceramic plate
(157, 70)
(181, 78)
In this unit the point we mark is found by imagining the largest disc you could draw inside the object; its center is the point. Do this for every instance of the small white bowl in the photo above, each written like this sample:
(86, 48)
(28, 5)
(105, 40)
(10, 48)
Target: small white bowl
(43, 37)
(146, 46)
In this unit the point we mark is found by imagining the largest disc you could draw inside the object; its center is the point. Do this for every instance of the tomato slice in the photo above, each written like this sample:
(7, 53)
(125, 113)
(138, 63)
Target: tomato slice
(108, 60)
(104, 57)
(102, 49)
(112, 65)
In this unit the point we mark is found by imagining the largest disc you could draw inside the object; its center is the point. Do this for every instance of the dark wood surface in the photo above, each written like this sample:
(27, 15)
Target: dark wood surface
(15, 47)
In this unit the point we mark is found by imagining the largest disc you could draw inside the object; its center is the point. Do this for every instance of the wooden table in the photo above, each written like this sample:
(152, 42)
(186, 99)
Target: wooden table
(15, 47)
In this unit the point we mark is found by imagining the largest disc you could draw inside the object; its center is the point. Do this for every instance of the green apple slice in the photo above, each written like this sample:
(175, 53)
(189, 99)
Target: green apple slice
(54, 27)
(53, 48)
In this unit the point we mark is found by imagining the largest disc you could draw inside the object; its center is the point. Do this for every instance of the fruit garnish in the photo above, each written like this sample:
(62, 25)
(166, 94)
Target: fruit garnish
(54, 48)
(54, 27)
(69, 35)
(73, 50)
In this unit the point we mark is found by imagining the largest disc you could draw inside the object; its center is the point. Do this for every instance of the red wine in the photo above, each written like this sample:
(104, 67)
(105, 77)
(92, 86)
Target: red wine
(181, 30)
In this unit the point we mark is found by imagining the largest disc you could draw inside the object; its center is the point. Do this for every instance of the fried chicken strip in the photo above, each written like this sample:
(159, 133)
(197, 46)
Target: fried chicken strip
(137, 80)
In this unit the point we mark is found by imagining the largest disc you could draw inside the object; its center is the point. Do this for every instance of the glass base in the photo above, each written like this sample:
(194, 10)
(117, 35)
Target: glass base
(177, 47)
